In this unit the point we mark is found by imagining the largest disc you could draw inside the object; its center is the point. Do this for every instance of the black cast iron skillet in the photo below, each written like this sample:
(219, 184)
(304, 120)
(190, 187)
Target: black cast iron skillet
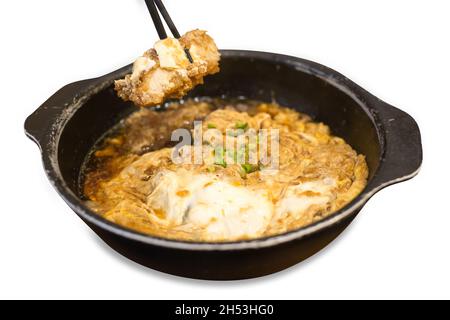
(68, 124)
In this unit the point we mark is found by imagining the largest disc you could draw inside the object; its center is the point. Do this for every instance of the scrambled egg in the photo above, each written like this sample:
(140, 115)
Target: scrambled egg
(132, 180)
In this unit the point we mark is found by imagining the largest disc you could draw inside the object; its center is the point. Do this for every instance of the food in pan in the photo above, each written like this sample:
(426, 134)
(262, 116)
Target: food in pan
(166, 72)
(132, 178)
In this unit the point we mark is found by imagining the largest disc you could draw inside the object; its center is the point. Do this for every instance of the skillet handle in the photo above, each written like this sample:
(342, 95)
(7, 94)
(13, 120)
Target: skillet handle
(403, 148)
(38, 125)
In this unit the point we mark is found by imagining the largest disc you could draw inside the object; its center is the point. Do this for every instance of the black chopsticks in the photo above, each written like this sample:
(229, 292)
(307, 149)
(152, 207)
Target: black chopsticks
(153, 7)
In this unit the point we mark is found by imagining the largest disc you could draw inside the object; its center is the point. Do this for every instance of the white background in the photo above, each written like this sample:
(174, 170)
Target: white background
(398, 247)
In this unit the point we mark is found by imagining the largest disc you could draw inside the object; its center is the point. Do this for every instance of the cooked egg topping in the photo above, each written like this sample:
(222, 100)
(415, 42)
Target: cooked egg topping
(204, 204)
(217, 199)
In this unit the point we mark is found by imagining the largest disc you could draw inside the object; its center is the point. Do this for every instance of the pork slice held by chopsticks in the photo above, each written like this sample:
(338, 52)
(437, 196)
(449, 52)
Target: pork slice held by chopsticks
(165, 71)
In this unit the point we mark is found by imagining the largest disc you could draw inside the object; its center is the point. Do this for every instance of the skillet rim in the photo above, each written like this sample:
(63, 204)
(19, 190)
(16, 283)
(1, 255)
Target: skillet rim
(48, 138)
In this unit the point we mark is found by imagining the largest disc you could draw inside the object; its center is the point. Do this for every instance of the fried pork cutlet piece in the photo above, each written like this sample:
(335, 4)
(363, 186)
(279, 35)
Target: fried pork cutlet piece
(165, 71)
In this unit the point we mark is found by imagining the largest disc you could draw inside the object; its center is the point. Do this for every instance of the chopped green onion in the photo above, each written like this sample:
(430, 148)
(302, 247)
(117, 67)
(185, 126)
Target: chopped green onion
(211, 126)
(241, 125)
(219, 154)
(249, 168)
(234, 133)
(221, 163)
